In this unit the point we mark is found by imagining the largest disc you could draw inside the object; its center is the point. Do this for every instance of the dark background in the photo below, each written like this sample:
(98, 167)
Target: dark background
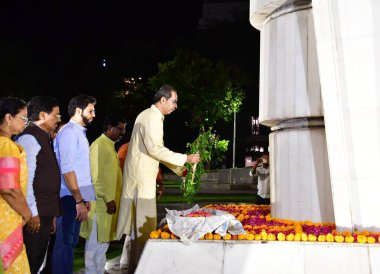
(57, 48)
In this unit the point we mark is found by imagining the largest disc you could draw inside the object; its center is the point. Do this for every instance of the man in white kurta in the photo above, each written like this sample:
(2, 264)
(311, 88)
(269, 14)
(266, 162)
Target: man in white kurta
(146, 150)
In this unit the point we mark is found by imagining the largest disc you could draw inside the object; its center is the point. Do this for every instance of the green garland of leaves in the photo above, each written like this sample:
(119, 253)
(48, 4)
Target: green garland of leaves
(208, 146)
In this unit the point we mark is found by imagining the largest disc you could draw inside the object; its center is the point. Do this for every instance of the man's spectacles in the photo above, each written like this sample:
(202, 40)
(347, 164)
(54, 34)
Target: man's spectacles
(122, 130)
(26, 120)
(174, 101)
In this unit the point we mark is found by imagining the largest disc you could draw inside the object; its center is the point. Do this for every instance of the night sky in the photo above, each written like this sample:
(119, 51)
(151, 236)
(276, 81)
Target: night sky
(57, 48)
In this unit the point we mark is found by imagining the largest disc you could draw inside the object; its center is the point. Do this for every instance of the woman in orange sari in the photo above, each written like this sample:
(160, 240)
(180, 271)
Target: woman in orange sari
(14, 210)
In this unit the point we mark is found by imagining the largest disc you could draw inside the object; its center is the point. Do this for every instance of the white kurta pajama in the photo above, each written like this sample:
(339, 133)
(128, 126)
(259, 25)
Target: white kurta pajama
(146, 150)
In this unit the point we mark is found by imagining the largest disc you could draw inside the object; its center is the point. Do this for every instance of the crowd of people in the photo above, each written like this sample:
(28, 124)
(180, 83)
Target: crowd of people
(56, 183)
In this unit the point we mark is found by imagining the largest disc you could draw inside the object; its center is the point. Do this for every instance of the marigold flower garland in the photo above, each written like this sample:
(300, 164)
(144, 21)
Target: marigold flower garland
(260, 226)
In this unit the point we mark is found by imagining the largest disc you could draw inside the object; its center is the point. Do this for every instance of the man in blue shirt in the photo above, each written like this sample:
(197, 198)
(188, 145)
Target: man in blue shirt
(73, 154)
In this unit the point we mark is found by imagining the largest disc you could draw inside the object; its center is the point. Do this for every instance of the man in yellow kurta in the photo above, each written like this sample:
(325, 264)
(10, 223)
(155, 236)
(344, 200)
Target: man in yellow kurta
(146, 150)
(100, 227)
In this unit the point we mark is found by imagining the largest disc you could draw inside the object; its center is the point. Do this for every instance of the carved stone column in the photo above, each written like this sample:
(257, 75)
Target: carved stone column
(290, 103)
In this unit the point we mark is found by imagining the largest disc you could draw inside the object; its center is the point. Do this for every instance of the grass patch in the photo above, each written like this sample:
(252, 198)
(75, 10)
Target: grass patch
(168, 199)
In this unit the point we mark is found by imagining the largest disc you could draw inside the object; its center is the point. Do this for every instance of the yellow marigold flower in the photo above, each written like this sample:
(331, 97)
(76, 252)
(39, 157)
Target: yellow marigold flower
(362, 239)
(303, 237)
(371, 240)
(322, 238)
(173, 236)
(257, 237)
(227, 237)
(290, 237)
(159, 230)
(297, 237)
(241, 236)
(217, 237)
(154, 234)
(209, 236)
(330, 238)
(349, 239)
(311, 238)
(281, 236)
(250, 237)
(271, 237)
(264, 235)
(339, 238)
(240, 217)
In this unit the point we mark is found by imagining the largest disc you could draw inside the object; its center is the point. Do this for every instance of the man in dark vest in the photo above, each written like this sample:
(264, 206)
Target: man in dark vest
(43, 177)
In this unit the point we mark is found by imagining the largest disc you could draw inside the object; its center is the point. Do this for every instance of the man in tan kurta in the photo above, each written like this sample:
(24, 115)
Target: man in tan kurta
(146, 150)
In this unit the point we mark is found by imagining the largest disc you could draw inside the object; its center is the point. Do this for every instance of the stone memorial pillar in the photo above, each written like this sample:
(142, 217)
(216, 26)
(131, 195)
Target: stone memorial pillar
(290, 103)
(348, 46)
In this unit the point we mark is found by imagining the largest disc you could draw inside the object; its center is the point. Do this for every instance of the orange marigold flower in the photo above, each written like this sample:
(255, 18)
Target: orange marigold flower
(349, 239)
(362, 239)
(322, 238)
(339, 238)
(247, 227)
(209, 236)
(166, 228)
(365, 233)
(240, 217)
(241, 236)
(217, 237)
(154, 234)
(281, 236)
(165, 235)
(290, 237)
(346, 233)
(227, 237)
(330, 238)
(173, 236)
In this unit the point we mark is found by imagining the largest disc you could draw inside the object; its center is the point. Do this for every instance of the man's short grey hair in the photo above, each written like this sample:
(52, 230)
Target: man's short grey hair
(163, 91)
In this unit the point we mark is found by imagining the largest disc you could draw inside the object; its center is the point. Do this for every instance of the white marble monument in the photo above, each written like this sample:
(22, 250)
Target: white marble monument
(320, 64)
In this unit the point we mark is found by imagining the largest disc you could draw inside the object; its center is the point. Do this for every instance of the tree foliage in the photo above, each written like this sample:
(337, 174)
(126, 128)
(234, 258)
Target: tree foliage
(211, 92)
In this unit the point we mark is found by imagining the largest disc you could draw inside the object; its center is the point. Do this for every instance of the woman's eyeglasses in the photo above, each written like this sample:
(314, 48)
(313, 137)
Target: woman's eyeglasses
(26, 120)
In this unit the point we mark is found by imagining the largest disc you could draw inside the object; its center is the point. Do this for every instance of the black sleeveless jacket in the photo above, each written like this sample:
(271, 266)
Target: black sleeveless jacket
(47, 179)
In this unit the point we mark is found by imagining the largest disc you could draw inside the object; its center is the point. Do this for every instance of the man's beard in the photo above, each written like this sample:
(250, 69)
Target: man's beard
(86, 121)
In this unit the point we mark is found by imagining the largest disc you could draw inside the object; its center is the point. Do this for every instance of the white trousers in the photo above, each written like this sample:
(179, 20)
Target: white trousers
(95, 252)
